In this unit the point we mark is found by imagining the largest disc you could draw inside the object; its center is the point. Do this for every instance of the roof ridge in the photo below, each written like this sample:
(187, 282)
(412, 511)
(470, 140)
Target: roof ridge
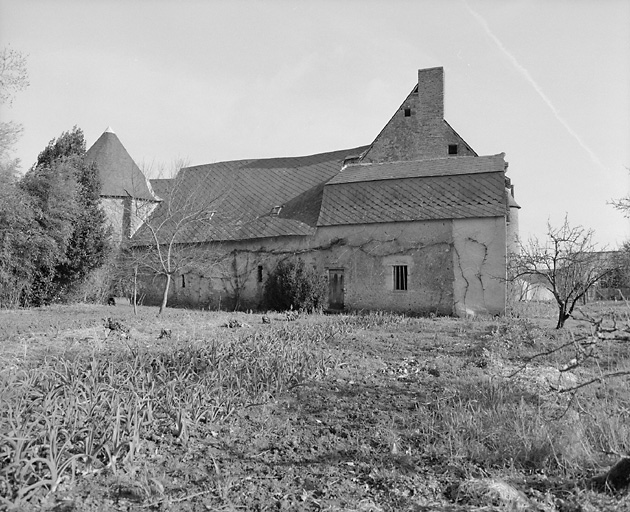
(272, 158)
(459, 157)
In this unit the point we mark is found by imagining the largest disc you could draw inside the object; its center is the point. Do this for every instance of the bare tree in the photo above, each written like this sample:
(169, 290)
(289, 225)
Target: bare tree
(13, 79)
(173, 237)
(622, 204)
(13, 74)
(567, 264)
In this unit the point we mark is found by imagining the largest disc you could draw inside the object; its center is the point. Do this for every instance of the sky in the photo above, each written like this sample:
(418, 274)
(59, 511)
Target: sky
(545, 81)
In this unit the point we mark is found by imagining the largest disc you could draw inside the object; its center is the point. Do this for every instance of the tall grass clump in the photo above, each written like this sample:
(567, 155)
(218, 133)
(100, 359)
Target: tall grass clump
(74, 415)
(374, 319)
(494, 423)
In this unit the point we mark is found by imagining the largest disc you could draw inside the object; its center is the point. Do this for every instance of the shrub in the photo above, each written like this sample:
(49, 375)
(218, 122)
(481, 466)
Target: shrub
(294, 285)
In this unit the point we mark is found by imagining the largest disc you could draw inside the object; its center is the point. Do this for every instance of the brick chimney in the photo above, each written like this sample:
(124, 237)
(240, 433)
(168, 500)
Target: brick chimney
(430, 112)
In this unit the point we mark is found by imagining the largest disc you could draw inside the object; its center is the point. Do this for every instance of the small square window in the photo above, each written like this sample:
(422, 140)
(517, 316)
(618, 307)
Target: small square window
(400, 277)
(452, 149)
(407, 112)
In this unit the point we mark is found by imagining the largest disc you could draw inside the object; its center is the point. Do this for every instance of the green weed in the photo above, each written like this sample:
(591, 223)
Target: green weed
(73, 415)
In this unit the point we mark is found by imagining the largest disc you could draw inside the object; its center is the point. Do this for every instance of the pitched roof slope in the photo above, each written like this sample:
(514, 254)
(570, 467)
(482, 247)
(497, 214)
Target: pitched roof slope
(119, 174)
(160, 186)
(420, 169)
(243, 193)
(445, 188)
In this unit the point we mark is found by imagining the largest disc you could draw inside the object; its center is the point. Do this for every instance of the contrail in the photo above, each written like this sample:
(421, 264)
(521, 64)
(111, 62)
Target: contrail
(536, 87)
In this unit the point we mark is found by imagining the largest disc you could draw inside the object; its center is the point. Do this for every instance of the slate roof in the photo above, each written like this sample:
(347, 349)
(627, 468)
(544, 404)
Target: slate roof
(242, 194)
(119, 174)
(445, 188)
(420, 168)
(160, 186)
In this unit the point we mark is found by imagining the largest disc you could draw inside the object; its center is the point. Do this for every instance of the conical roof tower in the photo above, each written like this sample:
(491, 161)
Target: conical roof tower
(119, 174)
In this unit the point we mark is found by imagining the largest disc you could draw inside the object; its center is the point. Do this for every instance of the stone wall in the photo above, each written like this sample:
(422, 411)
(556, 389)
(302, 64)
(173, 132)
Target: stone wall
(114, 210)
(125, 215)
(417, 131)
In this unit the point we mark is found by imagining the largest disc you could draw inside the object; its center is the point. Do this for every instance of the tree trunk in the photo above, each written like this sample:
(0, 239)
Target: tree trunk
(562, 316)
(167, 285)
(135, 290)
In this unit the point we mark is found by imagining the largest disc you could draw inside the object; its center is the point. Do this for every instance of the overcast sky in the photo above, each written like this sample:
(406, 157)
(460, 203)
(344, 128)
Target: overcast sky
(545, 81)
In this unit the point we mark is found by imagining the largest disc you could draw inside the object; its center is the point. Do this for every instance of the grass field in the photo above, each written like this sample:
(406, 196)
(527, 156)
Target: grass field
(101, 410)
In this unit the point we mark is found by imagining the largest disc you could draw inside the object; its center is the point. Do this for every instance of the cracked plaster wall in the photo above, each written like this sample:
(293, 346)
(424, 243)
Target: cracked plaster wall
(454, 266)
(367, 253)
(231, 278)
(479, 263)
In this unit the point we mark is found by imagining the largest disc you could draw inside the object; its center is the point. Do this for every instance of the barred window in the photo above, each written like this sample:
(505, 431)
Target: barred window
(400, 277)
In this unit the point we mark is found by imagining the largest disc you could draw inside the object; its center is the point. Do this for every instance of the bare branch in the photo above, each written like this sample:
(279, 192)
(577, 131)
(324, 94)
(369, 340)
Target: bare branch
(567, 264)
(169, 239)
(13, 74)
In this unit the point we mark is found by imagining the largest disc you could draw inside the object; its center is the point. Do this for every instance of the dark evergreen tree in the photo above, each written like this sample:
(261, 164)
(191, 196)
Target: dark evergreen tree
(65, 193)
(52, 193)
(88, 246)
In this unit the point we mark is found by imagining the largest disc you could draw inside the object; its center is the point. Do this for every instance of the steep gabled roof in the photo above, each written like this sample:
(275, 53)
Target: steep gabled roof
(119, 174)
(445, 188)
(243, 195)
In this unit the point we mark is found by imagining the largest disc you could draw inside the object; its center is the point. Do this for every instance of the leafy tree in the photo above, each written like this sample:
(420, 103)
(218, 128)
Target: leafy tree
(52, 192)
(293, 285)
(65, 194)
(16, 215)
(9, 167)
(567, 263)
(19, 234)
(88, 246)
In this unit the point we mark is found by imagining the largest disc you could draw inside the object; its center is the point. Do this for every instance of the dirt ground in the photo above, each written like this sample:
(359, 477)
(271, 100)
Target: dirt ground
(346, 442)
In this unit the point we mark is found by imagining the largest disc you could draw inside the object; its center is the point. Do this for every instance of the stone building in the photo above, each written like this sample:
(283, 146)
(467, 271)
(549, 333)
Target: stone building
(126, 195)
(415, 222)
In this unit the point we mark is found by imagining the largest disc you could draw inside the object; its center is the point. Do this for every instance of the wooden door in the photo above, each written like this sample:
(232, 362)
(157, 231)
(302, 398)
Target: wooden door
(335, 289)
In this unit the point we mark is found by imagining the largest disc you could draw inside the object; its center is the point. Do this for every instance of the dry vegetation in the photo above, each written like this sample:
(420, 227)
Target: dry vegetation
(366, 412)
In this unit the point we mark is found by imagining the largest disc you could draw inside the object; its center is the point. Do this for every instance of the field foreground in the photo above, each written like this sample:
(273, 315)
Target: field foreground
(193, 411)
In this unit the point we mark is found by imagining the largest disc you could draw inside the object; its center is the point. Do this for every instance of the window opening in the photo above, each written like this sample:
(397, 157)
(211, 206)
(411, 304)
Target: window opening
(260, 274)
(452, 149)
(276, 210)
(400, 277)
(183, 281)
(407, 112)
